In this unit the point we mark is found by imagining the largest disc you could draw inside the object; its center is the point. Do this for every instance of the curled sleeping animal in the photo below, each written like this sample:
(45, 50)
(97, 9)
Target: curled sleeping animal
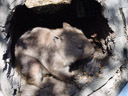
(44, 51)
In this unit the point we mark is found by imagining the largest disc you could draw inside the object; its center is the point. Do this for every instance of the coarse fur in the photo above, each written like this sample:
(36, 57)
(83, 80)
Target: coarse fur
(44, 51)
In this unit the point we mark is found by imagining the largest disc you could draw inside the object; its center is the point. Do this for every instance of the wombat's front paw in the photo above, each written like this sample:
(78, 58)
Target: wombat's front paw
(92, 68)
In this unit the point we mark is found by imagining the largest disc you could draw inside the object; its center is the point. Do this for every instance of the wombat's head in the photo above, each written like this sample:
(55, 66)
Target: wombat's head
(72, 43)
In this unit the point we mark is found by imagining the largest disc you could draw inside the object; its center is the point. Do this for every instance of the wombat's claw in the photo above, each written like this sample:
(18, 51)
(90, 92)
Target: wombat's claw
(76, 84)
(92, 68)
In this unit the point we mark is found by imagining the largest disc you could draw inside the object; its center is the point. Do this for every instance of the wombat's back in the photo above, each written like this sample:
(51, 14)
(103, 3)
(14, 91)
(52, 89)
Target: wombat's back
(32, 42)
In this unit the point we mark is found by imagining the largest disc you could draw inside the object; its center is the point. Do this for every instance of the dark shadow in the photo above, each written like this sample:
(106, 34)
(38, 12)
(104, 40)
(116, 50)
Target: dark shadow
(122, 85)
(46, 90)
(53, 87)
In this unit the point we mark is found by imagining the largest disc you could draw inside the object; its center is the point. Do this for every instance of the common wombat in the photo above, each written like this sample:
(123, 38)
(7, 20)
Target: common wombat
(42, 51)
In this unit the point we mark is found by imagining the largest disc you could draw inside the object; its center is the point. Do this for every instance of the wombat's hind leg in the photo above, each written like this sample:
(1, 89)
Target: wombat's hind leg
(31, 69)
(34, 74)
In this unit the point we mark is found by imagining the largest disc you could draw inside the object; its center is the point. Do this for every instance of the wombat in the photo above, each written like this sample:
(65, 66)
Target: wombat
(44, 51)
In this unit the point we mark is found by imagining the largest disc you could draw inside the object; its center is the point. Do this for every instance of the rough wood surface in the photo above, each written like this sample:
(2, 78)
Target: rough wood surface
(113, 79)
(35, 3)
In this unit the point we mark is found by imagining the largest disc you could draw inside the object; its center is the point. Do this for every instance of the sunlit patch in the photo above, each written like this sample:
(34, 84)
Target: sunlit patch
(99, 65)
(99, 75)
(86, 81)
(47, 75)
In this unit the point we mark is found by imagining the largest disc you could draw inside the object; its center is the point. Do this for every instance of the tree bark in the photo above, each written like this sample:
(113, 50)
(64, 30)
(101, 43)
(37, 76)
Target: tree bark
(115, 76)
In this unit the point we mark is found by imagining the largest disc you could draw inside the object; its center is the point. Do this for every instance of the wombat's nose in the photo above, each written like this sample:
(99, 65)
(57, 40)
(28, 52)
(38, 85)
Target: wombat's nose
(89, 52)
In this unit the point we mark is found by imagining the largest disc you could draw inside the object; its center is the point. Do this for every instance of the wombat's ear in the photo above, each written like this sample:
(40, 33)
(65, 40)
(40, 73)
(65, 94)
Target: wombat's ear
(57, 39)
(66, 25)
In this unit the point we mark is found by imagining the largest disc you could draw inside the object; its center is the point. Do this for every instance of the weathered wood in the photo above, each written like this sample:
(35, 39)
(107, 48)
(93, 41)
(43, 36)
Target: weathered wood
(9, 81)
(112, 79)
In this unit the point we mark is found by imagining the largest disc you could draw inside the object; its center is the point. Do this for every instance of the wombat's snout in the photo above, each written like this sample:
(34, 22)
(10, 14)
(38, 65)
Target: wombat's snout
(88, 51)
